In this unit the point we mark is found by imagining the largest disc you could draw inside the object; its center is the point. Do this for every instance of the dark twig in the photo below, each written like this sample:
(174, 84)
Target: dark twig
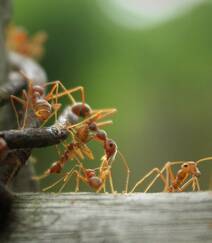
(34, 137)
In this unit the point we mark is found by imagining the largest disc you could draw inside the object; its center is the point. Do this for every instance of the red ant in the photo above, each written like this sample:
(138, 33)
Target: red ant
(174, 183)
(35, 99)
(88, 176)
(19, 41)
(77, 147)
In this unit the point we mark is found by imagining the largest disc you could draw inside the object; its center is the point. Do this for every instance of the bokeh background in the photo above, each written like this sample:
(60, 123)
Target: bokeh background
(153, 62)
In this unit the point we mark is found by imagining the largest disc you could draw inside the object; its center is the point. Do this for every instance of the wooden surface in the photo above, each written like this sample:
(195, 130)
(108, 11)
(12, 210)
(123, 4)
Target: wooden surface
(90, 217)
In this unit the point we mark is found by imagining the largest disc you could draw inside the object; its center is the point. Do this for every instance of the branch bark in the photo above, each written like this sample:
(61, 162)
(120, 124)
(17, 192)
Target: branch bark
(34, 137)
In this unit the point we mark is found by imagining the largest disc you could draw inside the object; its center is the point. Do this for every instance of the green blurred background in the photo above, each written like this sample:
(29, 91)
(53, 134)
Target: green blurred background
(158, 77)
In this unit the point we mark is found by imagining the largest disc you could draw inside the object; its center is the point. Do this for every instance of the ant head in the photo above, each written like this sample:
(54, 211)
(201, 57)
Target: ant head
(191, 168)
(81, 109)
(90, 173)
(110, 149)
(38, 89)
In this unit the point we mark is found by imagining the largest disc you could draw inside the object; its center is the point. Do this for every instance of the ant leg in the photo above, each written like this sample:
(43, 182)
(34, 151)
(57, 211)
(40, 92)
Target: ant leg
(40, 177)
(194, 184)
(127, 169)
(54, 104)
(19, 100)
(94, 117)
(197, 183)
(169, 173)
(73, 90)
(169, 176)
(160, 174)
(67, 178)
(54, 113)
(103, 124)
(148, 175)
(54, 184)
(86, 151)
(27, 107)
(77, 184)
(111, 182)
(102, 187)
(102, 113)
(187, 184)
(18, 165)
(68, 92)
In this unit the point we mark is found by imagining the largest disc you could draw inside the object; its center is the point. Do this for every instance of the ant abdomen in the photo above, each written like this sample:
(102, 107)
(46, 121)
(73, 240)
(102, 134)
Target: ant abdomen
(81, 109)
(95, 182)
(55, 168)
(42, 109)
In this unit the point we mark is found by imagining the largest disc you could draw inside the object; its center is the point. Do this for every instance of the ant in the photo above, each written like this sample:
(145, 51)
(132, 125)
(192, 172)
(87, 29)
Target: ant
(88, 176)
(110, 149)
(36, 100)
(77, 147)
(19, 41)
(176, 183)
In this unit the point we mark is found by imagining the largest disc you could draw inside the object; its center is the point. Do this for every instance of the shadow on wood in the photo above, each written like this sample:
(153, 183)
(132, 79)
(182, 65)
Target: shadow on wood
(90, 217)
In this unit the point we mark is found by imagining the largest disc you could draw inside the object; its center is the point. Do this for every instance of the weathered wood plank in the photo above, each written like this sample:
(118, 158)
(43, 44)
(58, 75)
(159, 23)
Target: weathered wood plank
(90, 217)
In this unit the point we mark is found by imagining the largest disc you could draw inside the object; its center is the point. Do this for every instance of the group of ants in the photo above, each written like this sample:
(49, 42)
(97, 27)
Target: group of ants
(85, 124)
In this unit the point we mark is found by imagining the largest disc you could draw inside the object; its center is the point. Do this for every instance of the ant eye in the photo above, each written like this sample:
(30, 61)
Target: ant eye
(111, 145)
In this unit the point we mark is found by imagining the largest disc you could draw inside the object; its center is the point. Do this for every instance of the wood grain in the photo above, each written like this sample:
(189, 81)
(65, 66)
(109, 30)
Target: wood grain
(90, 217)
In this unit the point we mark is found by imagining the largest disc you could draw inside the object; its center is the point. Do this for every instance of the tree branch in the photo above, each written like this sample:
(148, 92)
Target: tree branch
(34, 137)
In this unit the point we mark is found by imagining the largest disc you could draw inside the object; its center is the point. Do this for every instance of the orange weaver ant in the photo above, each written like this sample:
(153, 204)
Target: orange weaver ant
(75, 151)
(89, 176)
(19, 41)
(174, 183)
(78, 148)
(36, 100)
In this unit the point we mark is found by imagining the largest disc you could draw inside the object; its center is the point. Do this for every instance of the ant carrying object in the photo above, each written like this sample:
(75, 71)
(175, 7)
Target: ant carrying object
(74, 150)
(175, 183)
(88, 176)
